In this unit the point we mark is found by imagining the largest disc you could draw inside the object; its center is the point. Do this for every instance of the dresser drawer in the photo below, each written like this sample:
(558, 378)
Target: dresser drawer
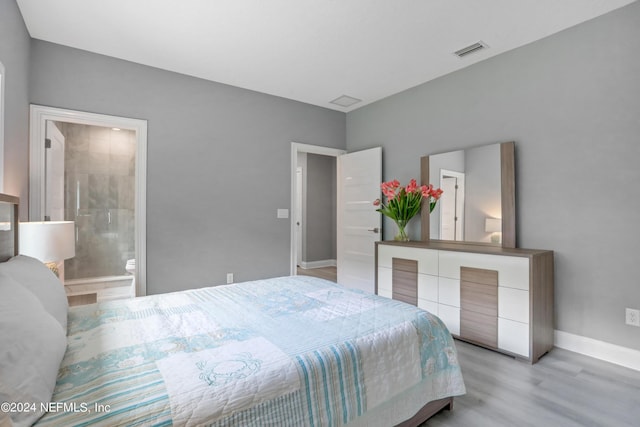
(451, 317)
(427, 259)
(428, 287)
(449, 291)
(512, 271)
(385, 281)
(430, 306)
(513, 337)
(513, 304)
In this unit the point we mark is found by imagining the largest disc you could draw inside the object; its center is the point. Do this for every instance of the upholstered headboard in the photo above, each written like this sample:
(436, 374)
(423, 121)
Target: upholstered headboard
(8, 226)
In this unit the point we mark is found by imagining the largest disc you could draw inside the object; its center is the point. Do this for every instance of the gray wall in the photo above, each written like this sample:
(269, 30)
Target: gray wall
(320, 239)
(571, 102)
(218, 161)
(14, 55)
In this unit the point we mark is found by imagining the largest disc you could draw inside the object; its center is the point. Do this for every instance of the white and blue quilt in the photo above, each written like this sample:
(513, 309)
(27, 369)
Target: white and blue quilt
(291, 351)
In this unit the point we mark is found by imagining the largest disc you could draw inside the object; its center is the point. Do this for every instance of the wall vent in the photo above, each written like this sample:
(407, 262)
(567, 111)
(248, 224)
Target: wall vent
(470, 49)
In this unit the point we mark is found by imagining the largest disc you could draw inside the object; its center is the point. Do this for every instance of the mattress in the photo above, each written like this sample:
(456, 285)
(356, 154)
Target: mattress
(290, 351)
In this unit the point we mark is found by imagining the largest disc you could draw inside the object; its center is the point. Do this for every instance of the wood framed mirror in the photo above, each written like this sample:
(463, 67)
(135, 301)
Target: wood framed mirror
(505, 216)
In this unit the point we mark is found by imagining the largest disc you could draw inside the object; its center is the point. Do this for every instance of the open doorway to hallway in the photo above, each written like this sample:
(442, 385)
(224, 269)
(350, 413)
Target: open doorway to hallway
(316, 215)
(314, 208)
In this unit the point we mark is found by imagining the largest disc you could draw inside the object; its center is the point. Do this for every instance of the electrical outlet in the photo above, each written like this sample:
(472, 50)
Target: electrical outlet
(229, 278)
(632, 317)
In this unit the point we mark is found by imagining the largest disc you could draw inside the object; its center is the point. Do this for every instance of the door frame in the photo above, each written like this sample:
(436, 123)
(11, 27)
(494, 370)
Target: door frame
(39, 115)
(2, 113)
(459, 201)
(297, 147)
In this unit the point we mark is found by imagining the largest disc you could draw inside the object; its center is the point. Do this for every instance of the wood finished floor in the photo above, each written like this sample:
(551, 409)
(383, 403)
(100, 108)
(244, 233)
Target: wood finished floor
(563, 389)
(329, 273)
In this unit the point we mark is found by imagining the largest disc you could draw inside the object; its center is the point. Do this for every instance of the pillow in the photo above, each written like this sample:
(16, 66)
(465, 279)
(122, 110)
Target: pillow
(33, 345)
(36, 277)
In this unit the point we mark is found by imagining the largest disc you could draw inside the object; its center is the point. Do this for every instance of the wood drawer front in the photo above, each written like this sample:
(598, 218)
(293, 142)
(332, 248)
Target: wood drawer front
(512, 271)
(480, 328)
(479, 298)
(405, 280)
(427, 258)
(479, 290)
(479, 275)
(385, 278)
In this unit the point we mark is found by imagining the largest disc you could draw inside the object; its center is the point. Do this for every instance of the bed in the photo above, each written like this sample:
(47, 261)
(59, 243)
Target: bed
(289, 351)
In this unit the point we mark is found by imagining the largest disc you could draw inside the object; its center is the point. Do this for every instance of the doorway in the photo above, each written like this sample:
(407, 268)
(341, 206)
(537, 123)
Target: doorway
(300, 155)
(452, 205)
(91, 169)
(315, 219)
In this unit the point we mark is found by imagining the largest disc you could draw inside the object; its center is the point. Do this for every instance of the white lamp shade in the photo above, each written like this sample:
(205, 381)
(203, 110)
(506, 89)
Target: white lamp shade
(493, 225)
(48, 241)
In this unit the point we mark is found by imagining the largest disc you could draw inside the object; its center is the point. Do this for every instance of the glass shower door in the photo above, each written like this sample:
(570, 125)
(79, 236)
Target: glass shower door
(99, 196)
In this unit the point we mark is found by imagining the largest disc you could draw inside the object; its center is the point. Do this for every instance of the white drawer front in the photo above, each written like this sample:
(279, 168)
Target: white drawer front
(385, 282)
(512, 271)
(430, 306)
(513, 337)
(427, 258)
(385, 293)
(513, 304)
(451, 317)
(428, 287)
(449, 291)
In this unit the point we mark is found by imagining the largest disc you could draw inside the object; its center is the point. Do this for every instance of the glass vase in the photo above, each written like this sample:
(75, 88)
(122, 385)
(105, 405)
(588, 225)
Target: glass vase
(402, 235)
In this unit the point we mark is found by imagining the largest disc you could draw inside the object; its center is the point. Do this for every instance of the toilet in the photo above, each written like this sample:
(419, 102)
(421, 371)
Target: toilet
(130, 268)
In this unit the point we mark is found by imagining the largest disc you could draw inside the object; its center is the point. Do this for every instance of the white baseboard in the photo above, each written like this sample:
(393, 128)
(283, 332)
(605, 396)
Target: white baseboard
(318, 264)
(613, 353)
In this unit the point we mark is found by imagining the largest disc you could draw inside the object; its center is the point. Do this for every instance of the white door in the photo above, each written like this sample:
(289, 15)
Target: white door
(358, 223)
(452, 205)
(54, 173)
(299, 216)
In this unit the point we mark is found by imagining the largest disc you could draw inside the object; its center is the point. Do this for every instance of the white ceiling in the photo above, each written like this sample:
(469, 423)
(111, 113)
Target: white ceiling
(308, 50)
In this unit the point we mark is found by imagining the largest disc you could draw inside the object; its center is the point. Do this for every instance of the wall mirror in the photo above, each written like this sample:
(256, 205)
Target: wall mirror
(478, 203)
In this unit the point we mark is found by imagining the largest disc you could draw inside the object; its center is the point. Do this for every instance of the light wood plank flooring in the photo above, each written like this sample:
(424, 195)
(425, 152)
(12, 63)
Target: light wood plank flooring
(329, 273)
(563, 389)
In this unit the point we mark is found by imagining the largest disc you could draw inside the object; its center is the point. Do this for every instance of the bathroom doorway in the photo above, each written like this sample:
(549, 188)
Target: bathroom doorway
(91, 169)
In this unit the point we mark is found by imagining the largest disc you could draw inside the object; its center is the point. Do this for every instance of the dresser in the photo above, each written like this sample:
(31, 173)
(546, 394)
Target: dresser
(495, 297)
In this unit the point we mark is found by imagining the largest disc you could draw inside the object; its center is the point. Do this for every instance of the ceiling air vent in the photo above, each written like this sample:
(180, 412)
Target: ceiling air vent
(345, 101)
(470, 49)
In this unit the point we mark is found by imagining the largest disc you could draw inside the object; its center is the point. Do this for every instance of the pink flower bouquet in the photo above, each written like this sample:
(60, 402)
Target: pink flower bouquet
(403, 203)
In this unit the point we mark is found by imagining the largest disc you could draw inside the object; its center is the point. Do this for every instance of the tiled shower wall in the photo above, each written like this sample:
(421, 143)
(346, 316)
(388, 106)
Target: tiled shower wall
(100, 198)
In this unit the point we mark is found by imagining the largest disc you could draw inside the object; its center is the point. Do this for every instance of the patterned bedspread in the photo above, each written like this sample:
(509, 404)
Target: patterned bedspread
(291, 351)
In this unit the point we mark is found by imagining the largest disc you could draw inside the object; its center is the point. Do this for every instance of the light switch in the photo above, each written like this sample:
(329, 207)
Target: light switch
(283, 213)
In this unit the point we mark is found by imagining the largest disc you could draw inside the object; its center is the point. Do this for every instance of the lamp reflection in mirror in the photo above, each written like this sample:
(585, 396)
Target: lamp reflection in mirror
(494, 226)
(49, 241)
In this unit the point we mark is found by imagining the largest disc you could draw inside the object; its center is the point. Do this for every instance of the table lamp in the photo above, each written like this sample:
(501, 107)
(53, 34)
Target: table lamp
(49, 241)
(494, 226)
